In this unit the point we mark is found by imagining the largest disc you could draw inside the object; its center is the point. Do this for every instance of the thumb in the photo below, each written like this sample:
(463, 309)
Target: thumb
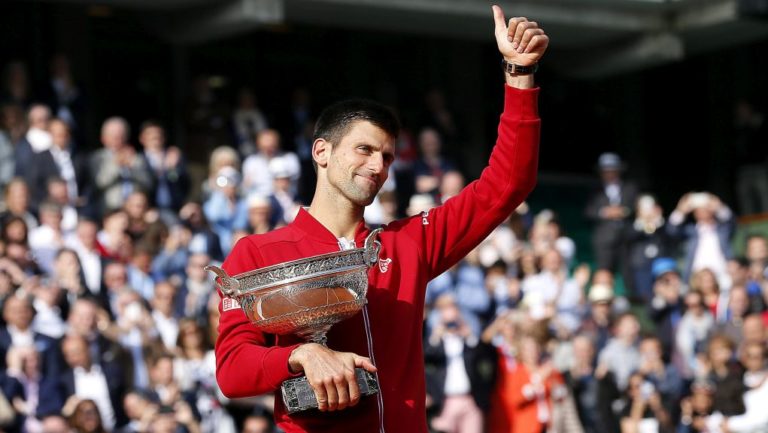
(363, 362)
(499, 21)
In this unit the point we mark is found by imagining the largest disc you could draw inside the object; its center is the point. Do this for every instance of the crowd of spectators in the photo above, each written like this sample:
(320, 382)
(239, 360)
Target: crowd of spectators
(108, 318)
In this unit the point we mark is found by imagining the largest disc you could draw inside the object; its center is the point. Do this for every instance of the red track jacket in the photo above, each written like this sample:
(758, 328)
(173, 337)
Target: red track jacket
(414, 251)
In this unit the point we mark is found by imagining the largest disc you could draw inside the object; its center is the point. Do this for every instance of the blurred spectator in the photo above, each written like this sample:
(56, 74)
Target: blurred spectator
(451, 185)
(117, 169)
(756, 250)
(86, 319)
(57, 192)
(17, 203)
(171, 261)
(546, 234)
(204, 240)
(114, 237)
(247, 121)
(257, 177)
(194, 369)
(708, 237)
(533, 389)
(664, 376)
(692, 332)
(552, 294)
(139, 271)
(55, 423)
(696, 408)
(222, 156)
(168, 168)
(463, 369)
(647, 239)
(7, 161)
(597, 323)
(36, 140)
(101, 383)
(258, 423)
(139, 410)
(225, 210)
(621, 355)
(431, 165)
(136, 333)
(62, 162)
(610, 208)
(666, 309)
(17, 332)
(47, 303)
(206, 118)
(720, 368)
(750, 138)
(162, 303)
(644, 409)
(16, 86)
(47, 239)
(283, 190)
(755, 417)
(90, 252)
(738, 308)
(14, 122)
(32, 394)
(144, 224)
(260, 212)
(582, 384)
(705, 282)
(196, 288)
(85, 416)
(64, 94)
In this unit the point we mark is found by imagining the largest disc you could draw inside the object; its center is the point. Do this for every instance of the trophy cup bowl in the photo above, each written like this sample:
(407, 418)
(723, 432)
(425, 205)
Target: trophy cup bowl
(305, 297)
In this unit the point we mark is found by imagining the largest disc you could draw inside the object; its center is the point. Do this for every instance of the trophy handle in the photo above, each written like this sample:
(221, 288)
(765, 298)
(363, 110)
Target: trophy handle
(228, 285)
(372, 247)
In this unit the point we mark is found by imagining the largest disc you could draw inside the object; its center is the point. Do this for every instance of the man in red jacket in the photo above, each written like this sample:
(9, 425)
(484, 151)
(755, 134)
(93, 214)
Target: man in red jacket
(353, 147)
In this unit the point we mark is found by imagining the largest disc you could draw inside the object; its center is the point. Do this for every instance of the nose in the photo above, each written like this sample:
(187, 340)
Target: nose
(376, 163)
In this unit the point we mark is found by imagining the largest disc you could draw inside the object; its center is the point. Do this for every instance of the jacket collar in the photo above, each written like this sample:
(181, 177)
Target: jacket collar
(315, 230)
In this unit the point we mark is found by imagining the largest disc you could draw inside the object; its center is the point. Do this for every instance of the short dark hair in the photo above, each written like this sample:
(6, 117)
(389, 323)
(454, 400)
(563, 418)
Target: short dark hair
(334, 122)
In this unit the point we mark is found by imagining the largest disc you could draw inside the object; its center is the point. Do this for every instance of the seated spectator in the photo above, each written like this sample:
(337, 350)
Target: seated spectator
(47, 239)
(85, 416)
(168, 167)
(644, 409)
(117, 169)
(257, 177)
(664, 376)
(462, 368)
(552, 294)
(17, 332)
(48, 301)
(171, 261)
(621, 356)
(32, 395)
(57, 191)
(666, 307)
(696, 408)
(101, 383)
(17, 203)
(692, 332)
(140, 411)
(54, 423)
(721, 369)
(225, 210)
(755, 417)
(705, 282)
(36, 140)
(92, 255)
(597, 324)
(738, 309)
(204, 240)
(583, 384)
(144, 224)
(61, 162)
(163, 303)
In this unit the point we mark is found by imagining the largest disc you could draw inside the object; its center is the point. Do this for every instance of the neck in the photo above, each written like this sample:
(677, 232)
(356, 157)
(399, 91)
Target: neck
(338, 215)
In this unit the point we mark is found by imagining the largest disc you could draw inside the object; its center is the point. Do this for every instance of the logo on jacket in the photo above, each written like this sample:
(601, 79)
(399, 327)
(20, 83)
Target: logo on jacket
(384, 265)
(229, 304)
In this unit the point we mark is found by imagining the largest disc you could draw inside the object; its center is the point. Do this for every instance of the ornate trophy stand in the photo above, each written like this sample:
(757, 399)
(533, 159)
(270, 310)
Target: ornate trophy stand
(306, 297)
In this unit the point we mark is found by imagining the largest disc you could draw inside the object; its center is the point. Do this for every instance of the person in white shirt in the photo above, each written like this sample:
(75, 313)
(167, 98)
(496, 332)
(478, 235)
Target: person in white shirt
(257, 178)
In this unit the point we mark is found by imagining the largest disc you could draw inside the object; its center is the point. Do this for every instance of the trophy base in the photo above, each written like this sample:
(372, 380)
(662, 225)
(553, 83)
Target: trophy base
(299, 396)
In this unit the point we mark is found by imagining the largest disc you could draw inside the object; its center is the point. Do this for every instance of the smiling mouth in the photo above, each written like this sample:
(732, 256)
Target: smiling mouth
(368, 179)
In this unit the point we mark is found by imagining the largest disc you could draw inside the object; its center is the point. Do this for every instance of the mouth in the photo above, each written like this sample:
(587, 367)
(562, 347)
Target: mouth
(369, 179)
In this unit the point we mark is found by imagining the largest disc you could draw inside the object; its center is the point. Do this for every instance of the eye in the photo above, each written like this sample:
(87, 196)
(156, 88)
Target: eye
(366, 149)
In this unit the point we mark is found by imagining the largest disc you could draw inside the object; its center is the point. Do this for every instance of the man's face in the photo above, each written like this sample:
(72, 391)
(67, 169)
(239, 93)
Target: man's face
(357, 166)
(114, 136)
(18, 313)
(153, 138)
(59, 134)
(268, 143)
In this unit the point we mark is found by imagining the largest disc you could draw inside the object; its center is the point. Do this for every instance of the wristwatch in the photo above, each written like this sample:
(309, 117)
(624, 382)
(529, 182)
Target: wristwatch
(514, 69)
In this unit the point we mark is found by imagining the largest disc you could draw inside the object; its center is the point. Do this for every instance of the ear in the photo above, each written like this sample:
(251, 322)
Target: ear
(321, 152)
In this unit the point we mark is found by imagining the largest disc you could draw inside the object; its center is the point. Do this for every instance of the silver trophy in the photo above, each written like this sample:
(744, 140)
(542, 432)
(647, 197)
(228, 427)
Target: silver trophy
(306, 297)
